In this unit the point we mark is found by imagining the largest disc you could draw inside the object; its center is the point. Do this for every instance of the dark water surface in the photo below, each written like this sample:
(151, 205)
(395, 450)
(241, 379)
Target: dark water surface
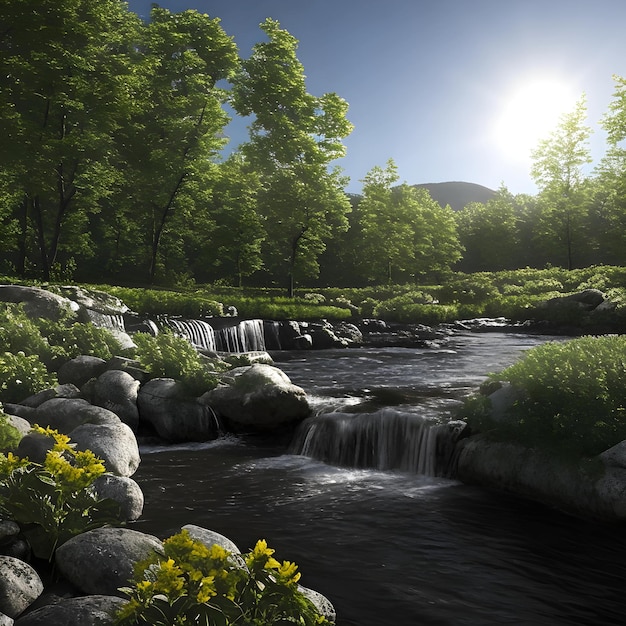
(395, 548)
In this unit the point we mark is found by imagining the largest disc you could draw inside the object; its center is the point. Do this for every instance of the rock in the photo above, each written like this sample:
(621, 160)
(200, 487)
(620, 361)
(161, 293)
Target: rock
(258, 396)
(5, 620)
(117, 391)
(66, 414)
(175, 417)
(39, 302)
(80, 369)
(324, 337)
(502, 401)
(95, 610)
(114, 443)
(101, 561)
(123, 490)
(35, 446)
(130, 366)
(8, 530)
(615, 456)
(60, 391)
(20, 586)
(22, 425)
(210, 538)
(322, 603)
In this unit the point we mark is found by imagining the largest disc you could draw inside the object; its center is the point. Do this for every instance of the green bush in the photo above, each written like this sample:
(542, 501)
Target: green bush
(18, 333)
(191, 583)
(573, 395)
(22, 376)
(10, 436)
(168, 355)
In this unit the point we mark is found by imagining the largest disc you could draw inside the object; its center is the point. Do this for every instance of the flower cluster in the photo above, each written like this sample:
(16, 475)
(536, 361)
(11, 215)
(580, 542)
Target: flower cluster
(190, 580)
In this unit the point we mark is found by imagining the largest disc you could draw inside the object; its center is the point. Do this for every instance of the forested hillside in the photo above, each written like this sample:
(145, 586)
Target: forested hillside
(112, 167)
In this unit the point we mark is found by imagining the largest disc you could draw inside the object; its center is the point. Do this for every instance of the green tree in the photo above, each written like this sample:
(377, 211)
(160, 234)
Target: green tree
(557, 169)
(404, 231)
(489, 234)
(233, 247)
(294, 137)
(608, 210)
(63, 91)
(170, 147)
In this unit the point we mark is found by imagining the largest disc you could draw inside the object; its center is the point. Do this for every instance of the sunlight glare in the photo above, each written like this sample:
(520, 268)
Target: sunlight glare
(531, 112)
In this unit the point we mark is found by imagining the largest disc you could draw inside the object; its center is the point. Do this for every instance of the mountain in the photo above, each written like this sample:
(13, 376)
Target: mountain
(457, 194)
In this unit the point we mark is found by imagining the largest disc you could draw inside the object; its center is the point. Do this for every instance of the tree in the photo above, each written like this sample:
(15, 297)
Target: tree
(170, 147)
(404, 231)
(294, 137)
(558, 171)
(63, 90)
(489, 234)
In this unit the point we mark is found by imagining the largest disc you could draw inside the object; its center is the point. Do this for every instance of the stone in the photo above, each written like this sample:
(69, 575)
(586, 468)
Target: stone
(210, 538)
(174, 416)
(22, 425)
(20, 586)
(258, 396)
(60, 391)
(80, 369)
(39, 302)
(114, 443)
(116, 391)
(615, 456)
(35, 447)
(123, 490)
(66, 414)
(5, 620)
(322, 603)
(95, 610)
(101, 561)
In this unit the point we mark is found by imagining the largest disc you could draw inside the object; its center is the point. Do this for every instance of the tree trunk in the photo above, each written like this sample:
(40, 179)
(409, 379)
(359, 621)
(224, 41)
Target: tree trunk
(20, 265)
(41, 238)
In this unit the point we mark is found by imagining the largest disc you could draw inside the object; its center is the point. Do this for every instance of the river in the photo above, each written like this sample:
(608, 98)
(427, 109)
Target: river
(391, 547)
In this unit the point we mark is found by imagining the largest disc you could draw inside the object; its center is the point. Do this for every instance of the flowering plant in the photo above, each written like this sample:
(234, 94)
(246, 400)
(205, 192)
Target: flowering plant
(190, 583)
(54, 501)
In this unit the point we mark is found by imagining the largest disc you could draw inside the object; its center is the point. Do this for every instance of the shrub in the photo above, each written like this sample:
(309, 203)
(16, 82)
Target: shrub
(574, 394)
(171, 356)
(54, 501)
(18, 333)
(191, 583)
(22, 376)
(9, 435)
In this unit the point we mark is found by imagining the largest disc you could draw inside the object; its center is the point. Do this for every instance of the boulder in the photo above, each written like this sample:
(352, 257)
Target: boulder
(114, 443)
(60, 391)
(5, 620)
(66, 414)
(39, 302)
(35, 447)
(22, 425)
(80, 369)
(20, 586)
(322, 603)
(101, 561)
(210, 538)
(174, 416)
(96, 610)
(258, 396)
(116, 391)
(324, 337)
(123, 490)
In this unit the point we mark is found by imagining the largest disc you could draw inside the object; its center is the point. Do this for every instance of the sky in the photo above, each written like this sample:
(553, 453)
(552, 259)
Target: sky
(451, 90)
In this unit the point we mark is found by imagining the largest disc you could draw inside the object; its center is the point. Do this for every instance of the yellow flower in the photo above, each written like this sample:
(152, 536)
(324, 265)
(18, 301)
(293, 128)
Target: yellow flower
(207, 589)
(11, 462)
(287, 573)
(261, 556)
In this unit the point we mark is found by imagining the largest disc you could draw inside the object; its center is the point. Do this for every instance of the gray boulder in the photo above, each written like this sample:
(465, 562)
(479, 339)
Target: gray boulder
(210, 538)
(101, 561)
(5, 620)
(260, 397)
(66, 414)
(175, 416)
(80, 369)
(20, 586)
(39, 302)
(35, 446)
(124, 491)
(117, 391)
(114, 443)
(96, 610)
(60, 391)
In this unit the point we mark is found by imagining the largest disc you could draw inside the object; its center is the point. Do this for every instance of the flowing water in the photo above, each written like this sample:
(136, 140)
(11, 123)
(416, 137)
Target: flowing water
(387, 542)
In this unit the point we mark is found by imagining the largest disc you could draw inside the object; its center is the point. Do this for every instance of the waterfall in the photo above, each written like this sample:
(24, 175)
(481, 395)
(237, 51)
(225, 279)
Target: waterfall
(105, 320)
(386, 440)
(246, 336)
(199, 332)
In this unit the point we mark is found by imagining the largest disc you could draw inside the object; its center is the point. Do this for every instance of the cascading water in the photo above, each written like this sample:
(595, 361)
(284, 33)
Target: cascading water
(246, 336)
(199, 332)
(385, 440)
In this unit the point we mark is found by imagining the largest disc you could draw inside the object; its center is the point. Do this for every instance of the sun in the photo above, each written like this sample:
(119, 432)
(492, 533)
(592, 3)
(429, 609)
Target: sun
(530, 112)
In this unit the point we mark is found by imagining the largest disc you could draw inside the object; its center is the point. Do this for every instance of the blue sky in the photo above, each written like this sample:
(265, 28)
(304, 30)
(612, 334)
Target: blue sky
(428, 81)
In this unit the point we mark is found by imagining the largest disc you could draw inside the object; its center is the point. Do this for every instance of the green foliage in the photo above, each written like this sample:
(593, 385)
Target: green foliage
(22, 376)
(54, 501)
(19, 333)
(168, 355)
(191, 583)
(162, 302)
(573, 394)
(9, 435)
